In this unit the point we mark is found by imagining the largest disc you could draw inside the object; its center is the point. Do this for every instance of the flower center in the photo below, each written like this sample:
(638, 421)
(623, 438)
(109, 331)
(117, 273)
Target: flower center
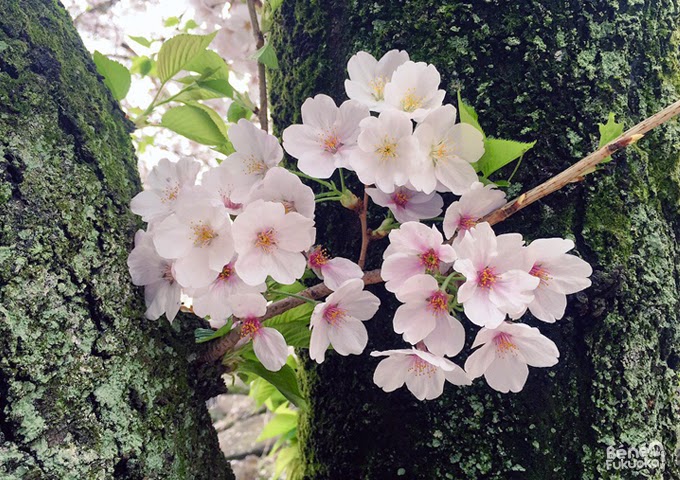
(387, 149)
(318, 258)
(438, 302)
(487, 278)
(167, 274)
(331, 143)
(333, 314)
(203, 234)
(378, 87)
(226, 272)
(255, 166)
(266, 240)
(421, 367)
(410, 101)
(250, 327)
(170, 193)
(288, 206)
(430, 260)
(504, 343)
(440, 152)
(466, 223)
(400, 199)
(538, 271)
(227, 202)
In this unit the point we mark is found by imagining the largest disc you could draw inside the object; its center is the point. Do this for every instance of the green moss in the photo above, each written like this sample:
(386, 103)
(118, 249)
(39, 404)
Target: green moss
(546, 71)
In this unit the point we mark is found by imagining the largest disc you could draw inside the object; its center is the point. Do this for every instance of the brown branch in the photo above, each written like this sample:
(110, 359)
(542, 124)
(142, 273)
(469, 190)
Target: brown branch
(365, 237)
(576, 172)
(261, 71)
(218, 348)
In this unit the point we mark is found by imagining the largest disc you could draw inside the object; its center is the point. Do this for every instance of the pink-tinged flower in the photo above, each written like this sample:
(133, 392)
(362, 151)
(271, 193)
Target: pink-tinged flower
(327, 138)
(166, 182)
(215, 299)
(333, 271)
(448, 149)
(414, 90)
(505, 353)
(270, 241)
(161, 292)
(408, 205)
(465, 213)
(560, 275)
(269, 345)
(497, 277)
(256, 152)
(424, 373)
(281, 186)
(198, 235)
(387, 150)
(368, 77)
(425, 317)
(414, 248)
(338, 321)
(222, 182)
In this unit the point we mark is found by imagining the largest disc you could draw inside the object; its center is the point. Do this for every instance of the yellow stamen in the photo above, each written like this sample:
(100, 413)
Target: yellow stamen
(387, 149)
(266, 240)
(378, 87)
(203, 234)
(410, 101)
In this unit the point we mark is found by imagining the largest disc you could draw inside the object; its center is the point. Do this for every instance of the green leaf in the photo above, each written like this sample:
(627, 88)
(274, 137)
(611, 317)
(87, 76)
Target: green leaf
(206, 89)
(178, 52)
(142, 65)
(190, 25)
(288, 460)
(236, 112)
(294, 325)
(498, 153)
(261, 391)
(609, 131)
(267, 56)
(285, 380)
(3, 46)
(196, 122)
(145, 42)
(210, 65)
(116, 76)
(171, 21)
(275, 5)
(468, 114)
(280, 424)
(203, 335)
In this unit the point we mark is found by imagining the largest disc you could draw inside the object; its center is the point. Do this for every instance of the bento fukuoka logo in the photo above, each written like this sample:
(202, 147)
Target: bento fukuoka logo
(646, 456)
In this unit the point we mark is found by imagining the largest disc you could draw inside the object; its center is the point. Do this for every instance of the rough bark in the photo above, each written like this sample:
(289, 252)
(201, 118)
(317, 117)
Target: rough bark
(88, 387)
(534, 70)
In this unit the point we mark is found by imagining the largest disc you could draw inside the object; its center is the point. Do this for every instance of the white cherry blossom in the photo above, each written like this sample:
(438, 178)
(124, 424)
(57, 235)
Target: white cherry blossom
(465, 213)
(281, 186)
(414, 90)
(225, 182)
(408, 205)
(368, 77)
(333, 271)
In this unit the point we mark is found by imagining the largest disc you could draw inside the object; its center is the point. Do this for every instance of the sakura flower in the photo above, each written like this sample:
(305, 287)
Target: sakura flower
(414, 248)
(270, 241)
(166, 182)
(425, 317)
(198, 235)
(338, 321)
(279, 185)
(368, 77)
(505, 353)
(424, 373)
(560, 275)
(478, 201)
(223, 182)
(327, 138)
(414, 90)
(215, 299)
(333, 271)
(269, 345)
(448, 148)
(387, 151)
(497, 277)
(408, 205)
(161, 292)
(256, 152)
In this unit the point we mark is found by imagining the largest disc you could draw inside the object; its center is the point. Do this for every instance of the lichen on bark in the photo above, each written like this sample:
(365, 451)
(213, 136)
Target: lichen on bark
(548, 71)
(88, 387)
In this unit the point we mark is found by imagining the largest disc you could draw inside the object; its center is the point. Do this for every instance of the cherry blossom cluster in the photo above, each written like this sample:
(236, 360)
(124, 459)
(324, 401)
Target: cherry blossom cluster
(229, 238)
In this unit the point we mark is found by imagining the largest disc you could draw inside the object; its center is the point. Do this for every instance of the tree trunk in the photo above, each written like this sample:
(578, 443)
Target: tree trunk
(535, 70)
(88, 387)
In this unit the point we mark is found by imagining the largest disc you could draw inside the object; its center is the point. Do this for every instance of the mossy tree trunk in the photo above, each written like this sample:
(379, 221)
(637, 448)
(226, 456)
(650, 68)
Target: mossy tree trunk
(535, 70)
(88, 387)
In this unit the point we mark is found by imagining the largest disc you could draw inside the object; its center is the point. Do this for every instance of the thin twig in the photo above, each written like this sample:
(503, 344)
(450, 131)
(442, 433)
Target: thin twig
(576, 172)
(261, 71)
(365, 238)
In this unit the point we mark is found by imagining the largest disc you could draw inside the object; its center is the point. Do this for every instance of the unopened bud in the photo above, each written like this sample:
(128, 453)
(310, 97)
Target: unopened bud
(349, 200)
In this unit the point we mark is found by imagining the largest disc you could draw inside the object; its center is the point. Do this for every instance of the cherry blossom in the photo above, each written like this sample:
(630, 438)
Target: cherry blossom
(465, 213)
(497, 277)
(333, 271)
(424, 373)
(338, 321)
(408, 205)
(448, 148)
(425, 317)
(368, 77)
(270, 241)
(327, 138)
(269, 345)
(387, 151)
(414, 248)
(198, 235)
(560, 275)
(505, 353)
(281, 186)
(166, 182)
(414, 90)
(223, 182)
